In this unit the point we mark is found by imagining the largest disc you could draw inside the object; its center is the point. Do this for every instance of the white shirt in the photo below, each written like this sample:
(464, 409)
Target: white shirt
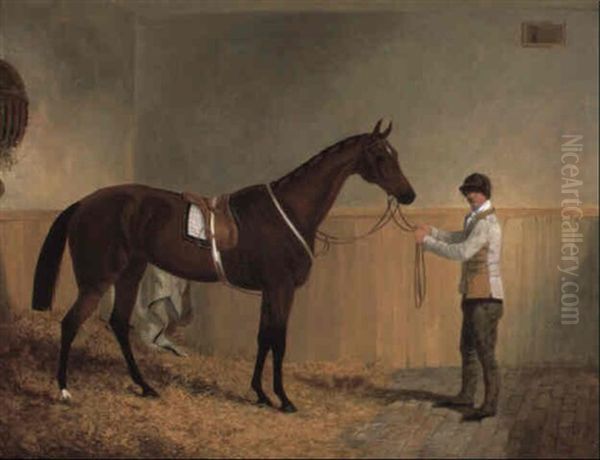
(484, 207)
(463, 245)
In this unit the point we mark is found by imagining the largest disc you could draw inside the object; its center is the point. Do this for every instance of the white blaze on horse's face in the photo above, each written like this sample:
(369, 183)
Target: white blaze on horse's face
(388, 148)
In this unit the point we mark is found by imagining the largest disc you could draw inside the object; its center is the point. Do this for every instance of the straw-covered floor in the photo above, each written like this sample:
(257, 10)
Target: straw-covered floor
(206, 407)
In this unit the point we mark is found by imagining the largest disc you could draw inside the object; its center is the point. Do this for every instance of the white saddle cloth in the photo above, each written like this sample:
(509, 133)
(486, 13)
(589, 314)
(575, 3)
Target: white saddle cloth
(196, 226)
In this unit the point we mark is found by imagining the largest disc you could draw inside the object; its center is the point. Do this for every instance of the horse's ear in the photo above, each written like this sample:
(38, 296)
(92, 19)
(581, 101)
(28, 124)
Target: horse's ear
(376, 129)
(387, 132)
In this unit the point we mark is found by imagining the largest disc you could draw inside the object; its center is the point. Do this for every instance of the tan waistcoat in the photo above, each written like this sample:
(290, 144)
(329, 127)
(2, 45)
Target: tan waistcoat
(475, 270)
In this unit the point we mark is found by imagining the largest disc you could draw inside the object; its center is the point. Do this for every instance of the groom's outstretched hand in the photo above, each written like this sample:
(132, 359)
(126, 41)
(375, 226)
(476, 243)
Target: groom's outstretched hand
(421, 231)
(425, 227)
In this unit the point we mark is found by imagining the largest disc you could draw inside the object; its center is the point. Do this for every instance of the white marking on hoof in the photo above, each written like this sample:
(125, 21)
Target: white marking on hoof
(65, 396)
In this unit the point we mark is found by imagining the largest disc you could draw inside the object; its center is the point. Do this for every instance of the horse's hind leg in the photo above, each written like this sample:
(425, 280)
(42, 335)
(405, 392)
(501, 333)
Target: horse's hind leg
(126, 289)
(86, 303)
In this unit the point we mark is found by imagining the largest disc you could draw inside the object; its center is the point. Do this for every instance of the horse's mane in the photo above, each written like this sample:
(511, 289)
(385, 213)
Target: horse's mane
(332, 149)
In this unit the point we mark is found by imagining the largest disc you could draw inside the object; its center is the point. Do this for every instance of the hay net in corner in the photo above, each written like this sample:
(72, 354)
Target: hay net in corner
(13, 109)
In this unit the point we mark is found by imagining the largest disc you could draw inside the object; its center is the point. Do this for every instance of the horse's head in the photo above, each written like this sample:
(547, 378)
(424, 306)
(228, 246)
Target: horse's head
(378, 164)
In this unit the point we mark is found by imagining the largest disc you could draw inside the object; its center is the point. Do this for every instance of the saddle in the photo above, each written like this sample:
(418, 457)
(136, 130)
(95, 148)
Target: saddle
(225, 226)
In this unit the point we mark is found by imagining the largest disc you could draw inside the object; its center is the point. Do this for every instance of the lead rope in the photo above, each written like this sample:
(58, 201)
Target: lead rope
(393, 208)
(420, 276)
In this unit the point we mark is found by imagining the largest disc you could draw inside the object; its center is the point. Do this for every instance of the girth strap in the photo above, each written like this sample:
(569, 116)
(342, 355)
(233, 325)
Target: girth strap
(218, 263)
(216, 254)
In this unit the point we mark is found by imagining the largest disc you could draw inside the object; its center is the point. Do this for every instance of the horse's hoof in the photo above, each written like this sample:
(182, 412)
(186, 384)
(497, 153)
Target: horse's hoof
(65, 396)
(288, 408)
(149, 392)
(264, 402)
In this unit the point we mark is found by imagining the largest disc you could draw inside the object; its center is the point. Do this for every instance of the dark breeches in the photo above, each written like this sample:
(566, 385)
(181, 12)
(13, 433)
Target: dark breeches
(478, 340)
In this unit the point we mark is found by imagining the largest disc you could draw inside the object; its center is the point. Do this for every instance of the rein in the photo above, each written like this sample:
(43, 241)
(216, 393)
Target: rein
(393, 208)
(328, 239)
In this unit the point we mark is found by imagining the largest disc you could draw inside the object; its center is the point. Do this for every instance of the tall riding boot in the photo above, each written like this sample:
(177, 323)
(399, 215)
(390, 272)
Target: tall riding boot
(469, 376)
(491, 377)
(466, 396)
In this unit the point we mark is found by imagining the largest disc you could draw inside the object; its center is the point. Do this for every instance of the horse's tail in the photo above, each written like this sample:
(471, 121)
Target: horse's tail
(48, 264)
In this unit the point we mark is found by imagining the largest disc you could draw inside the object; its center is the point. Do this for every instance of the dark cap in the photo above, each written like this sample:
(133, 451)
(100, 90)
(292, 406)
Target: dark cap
(477, 182)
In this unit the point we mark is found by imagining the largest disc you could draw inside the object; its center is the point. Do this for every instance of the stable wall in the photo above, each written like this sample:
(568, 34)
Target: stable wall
(223, 101)
(77, 61)
(227, 100)
(359, 302)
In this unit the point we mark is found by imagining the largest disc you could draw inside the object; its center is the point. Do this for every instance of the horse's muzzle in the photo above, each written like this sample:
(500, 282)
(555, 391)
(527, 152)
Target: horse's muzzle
(406, 198)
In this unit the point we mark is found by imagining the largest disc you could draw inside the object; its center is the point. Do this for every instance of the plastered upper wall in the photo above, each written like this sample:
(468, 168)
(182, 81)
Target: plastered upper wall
(228, 100)
(77, 61)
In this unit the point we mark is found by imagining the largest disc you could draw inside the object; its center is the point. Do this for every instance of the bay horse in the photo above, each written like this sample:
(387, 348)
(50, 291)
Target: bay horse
(116, 231)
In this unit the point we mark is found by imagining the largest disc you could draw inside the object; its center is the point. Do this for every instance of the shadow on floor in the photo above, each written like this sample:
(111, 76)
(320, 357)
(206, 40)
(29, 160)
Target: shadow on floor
(357, 385)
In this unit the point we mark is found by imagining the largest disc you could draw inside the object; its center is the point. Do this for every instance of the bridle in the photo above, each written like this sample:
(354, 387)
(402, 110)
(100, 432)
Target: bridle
(389, 215)
(392, 209)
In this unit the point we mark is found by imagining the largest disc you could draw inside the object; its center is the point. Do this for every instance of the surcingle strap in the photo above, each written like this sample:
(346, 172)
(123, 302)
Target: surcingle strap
(289, 223)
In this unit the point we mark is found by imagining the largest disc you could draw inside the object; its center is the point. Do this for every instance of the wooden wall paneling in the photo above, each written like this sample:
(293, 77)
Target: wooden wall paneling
(359, 300)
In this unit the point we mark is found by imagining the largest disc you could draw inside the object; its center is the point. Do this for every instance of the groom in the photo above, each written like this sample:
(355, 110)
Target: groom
(478, 247)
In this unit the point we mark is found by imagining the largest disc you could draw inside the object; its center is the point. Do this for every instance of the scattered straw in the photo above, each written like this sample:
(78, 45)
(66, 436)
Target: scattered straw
(206, 408)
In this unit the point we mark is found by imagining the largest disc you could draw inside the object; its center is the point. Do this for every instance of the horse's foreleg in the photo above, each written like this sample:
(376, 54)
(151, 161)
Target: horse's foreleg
(278, 354)
(281, 303)
(264, 345)
(86, 303)
(126, 289)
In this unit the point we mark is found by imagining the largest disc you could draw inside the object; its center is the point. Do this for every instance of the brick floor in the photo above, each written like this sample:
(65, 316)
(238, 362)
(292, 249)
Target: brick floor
(543, 412)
